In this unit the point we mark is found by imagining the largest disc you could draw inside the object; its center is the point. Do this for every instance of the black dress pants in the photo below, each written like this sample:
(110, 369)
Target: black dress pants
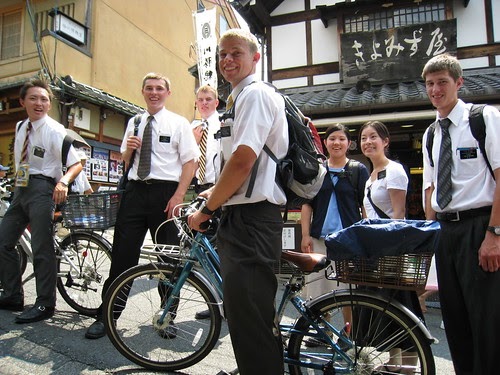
(469, 298)
(249, 244)
(141, 209)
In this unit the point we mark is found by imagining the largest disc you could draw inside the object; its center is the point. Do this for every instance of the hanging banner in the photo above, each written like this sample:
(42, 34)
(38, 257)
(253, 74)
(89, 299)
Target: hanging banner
(206, 42)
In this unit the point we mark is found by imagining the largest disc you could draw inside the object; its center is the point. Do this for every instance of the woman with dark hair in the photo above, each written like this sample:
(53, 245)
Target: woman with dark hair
(338, 204)
(385, 198)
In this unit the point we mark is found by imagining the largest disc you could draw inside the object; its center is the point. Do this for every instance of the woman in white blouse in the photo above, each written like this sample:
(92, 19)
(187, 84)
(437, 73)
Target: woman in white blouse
(385, 198)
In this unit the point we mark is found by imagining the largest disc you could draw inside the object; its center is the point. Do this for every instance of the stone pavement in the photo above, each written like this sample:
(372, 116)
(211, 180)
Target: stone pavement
(57, 346)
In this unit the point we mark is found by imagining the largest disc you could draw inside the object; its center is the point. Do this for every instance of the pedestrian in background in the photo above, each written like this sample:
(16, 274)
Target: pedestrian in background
(163, 167)
(40, 185)
(249, 234)
(468, 209)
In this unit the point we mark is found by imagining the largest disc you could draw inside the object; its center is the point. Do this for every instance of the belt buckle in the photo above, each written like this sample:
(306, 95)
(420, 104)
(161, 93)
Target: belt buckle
(457, 216)
(148, 182)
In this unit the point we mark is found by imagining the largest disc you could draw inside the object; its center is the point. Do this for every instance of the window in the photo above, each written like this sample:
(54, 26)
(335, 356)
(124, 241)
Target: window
(10, 32)
(399, 17)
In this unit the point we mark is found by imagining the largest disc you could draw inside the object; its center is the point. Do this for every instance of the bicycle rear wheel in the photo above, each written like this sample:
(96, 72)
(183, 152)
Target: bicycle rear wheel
(378, 331)
(132, 308)
(82, 271)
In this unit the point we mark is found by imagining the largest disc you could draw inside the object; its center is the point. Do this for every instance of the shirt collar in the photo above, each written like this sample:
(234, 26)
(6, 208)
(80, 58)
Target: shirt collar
(244, 83)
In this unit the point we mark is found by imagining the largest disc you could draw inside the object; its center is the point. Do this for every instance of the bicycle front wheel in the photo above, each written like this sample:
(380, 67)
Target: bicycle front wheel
(380, 334)
(83, 263)
(133, 310)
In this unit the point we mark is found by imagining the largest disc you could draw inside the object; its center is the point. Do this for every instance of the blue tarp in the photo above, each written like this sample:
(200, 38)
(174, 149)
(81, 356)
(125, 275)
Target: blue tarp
(373, 238)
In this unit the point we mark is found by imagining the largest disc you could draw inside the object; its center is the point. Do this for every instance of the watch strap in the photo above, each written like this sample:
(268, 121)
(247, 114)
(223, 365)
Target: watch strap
(205, 210)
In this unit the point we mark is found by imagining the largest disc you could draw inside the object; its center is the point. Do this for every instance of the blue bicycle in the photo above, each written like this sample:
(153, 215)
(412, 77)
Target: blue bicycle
(149, 313)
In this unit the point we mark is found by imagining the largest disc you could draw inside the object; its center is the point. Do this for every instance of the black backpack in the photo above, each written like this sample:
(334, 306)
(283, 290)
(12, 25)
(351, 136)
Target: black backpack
(477, 128)
(300, 173)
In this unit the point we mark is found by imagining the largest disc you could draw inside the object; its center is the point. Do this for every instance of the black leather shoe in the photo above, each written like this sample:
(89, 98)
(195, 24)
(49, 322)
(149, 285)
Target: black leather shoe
(35, 314)
(96, 330)
(202, 315)
(169, 332)
(11, 304)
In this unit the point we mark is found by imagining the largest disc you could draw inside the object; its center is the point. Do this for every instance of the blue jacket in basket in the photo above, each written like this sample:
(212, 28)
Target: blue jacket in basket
(373, 238)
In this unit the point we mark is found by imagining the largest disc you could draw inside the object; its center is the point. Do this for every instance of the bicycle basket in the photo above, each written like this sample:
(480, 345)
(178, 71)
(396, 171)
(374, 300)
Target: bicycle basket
(94, 211)
(406, 272)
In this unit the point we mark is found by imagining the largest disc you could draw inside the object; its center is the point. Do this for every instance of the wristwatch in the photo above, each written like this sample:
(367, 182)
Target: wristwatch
(494, 230)
(205, 210)
(64, 182)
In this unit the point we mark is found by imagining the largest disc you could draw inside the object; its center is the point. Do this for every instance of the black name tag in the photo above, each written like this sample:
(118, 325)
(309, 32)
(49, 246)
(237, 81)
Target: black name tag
(468, 153)
(164, 138)
(381, 174)
(38, 151)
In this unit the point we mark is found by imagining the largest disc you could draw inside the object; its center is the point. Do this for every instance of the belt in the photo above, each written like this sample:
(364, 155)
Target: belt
(203, 187)
(152, 181)
(461, 215)
(42, 177)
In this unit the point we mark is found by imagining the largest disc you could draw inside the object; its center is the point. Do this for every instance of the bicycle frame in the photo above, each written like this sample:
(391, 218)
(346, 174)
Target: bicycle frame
(203, 253)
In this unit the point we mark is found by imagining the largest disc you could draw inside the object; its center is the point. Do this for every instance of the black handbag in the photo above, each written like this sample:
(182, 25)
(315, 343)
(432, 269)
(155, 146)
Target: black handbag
(122, 184)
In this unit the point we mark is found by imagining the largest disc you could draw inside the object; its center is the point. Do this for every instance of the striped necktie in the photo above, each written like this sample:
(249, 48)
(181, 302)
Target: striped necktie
(229, 102)
(202, 163)
(24, 152)
(144, 167)
(444, 167)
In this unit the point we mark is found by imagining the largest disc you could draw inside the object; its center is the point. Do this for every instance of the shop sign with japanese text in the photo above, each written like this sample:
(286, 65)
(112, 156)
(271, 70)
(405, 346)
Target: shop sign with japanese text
(395, 54)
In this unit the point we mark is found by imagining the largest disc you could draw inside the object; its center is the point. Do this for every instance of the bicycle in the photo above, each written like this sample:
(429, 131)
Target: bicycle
(135, 316)
(83, 259)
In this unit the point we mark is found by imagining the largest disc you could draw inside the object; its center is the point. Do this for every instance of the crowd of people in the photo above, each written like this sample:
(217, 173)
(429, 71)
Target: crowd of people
(460, 192)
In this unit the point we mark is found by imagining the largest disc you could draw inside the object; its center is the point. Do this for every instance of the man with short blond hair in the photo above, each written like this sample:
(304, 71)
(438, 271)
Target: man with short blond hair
(249, 233)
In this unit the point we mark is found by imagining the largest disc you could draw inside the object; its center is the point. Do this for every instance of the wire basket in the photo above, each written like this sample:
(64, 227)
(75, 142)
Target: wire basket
(406, 272)
(94, 211)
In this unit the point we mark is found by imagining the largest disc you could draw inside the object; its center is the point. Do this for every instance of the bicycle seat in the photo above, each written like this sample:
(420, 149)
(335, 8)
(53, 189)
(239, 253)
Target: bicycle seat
(306, 262)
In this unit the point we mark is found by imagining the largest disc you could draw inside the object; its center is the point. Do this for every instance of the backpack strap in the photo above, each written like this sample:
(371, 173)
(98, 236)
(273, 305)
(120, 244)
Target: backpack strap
(430, 142)
(67, 142)
(354, 167)
(478, 130)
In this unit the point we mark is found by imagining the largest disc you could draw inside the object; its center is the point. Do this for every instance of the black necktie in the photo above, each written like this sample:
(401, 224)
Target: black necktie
(444, 168)
(145, 158)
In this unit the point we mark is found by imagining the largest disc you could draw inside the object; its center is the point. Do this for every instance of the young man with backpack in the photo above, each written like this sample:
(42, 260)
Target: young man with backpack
(40, 185)
(463, 195)
(249, 234)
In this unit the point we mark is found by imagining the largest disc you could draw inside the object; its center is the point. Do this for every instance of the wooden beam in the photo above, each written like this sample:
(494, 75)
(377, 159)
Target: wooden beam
(305, 71)
(482, 50)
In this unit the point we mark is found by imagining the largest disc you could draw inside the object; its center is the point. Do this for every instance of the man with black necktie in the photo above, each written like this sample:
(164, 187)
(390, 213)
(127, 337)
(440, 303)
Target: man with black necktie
(162, 170)
(40, 185)
(464, 196)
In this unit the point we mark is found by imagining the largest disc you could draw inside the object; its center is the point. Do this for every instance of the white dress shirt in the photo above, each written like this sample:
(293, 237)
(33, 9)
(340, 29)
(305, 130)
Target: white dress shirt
(45, 152)
(173, 145)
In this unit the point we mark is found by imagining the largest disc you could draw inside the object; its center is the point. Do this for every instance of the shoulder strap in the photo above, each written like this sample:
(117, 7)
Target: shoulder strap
(19, 126)
(430, 142)
(354, 166)
(478, 130)
(67, 142)
(137, 121)
(377, 209)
